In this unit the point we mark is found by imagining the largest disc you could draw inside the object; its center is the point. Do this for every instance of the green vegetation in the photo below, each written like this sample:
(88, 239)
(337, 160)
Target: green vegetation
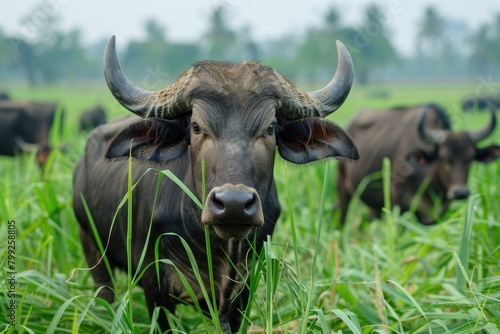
(389, 275)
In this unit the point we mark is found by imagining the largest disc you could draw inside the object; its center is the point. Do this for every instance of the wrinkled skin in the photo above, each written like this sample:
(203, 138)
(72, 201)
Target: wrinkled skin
(414, 160)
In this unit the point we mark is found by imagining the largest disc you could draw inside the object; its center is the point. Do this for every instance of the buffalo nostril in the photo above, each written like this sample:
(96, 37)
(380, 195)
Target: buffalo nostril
(251, 205)
(217, 204)
(462, 193)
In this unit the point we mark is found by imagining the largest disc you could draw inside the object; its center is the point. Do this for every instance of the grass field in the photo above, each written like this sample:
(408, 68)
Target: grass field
(386, 276)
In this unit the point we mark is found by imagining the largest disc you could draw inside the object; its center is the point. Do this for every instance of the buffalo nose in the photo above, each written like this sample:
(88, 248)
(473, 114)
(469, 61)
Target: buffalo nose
(233, 210)
(232, 204)
(461, 193)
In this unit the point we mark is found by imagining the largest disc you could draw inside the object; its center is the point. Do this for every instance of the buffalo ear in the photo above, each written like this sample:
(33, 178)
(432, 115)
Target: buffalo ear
(487, 154)
(312, 139)
(150, 139)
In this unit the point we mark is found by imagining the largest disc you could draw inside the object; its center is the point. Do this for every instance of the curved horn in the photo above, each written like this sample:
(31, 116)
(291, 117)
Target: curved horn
(166, 103)
(480, 134)
(334, 94)
(135, 99)
(24, 146)
(298, 104)
(435, 136)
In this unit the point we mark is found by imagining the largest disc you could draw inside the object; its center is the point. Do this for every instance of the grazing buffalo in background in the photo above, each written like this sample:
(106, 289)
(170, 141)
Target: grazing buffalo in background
(92, 118)
(421, 145)
(25, 127)
(232, 117)
(4, 96)
(480, 102)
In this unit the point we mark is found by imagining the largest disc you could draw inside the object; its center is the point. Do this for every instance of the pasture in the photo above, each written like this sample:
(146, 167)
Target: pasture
(391, 275)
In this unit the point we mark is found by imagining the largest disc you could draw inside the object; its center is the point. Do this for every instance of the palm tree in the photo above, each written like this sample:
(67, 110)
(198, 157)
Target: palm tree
(481, 45)
(374, 20)
(431, 34)
(332, 20)
(219, 37)
(155, 32)
(378, 50)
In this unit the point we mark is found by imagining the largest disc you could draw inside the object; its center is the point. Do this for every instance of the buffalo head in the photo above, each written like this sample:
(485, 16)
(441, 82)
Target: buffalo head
(452, 153)
(232, 117)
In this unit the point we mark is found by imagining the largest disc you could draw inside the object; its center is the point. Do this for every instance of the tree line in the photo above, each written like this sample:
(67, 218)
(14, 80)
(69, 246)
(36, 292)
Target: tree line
(444, 48)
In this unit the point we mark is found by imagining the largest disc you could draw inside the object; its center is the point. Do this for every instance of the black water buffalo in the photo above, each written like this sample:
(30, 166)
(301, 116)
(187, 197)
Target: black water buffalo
(480, 102)
(25, 126)
(421, 145)
(92, 118)
(231, 117)
(4, 96)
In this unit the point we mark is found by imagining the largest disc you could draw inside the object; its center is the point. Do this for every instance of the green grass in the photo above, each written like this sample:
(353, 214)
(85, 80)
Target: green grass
(391, 275)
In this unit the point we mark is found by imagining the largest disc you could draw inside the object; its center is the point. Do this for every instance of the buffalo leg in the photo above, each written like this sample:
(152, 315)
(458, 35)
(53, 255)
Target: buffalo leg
(98, 270)
(230, 313)
(342, 194)
(157, 295)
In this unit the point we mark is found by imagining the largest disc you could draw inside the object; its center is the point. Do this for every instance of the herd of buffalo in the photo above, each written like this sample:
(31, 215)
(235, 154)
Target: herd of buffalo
(25, 125)
(217, 128)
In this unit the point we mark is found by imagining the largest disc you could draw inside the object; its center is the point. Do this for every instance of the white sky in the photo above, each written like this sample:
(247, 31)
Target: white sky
(187, 19)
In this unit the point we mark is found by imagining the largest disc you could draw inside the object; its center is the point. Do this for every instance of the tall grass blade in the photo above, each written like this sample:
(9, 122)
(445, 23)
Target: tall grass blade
(345, 316)
(316, 245)
(463, 251)
(388, 217)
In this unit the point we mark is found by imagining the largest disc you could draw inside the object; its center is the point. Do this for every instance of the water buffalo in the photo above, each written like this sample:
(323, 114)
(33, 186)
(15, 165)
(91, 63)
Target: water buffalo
(480, 102)
(92, 118)
(421, 145)
(229, 116)
(25, 126)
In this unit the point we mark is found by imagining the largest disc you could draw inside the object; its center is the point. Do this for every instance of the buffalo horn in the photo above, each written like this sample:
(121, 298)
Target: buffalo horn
(24, 146)
(163, 104)
(434, 136)
(487, 129)
(334, 94)
(168, 102)
(135, 99)
(298, 104)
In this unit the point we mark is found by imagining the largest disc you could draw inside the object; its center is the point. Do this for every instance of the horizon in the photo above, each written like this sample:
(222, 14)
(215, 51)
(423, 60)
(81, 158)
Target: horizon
(92, 18)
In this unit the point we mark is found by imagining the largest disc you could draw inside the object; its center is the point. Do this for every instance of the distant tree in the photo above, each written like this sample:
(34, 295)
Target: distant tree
(369, 43)
(246, 47)
(495, 45)
(45, 52)
(316, 54)
(374, 20)
(377, 51)
(154, 31)
(431, 33)
(279, 53)
(65, 58)
(333, 20)
(481, 44)
(22, 56)
(155, 59)
(484, 46)
(4, 49)
(220, 38)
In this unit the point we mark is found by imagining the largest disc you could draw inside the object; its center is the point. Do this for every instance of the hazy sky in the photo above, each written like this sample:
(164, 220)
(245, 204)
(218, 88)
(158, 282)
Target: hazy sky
(187, 19)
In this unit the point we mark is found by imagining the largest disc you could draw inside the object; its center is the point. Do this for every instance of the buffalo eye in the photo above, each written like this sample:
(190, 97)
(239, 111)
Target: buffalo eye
(196, 128)
(419, 158)
(270, 129)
